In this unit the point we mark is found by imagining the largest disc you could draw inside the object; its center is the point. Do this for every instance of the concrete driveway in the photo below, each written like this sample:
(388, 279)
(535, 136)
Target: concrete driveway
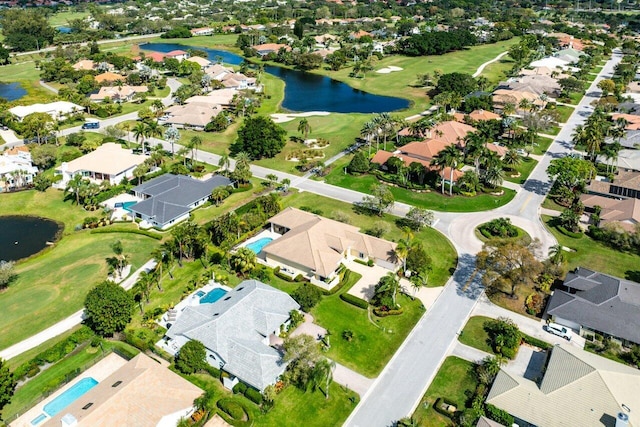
(364, 288)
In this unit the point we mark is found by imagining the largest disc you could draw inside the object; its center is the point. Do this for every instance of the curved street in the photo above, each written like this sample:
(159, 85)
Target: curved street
(398, 390)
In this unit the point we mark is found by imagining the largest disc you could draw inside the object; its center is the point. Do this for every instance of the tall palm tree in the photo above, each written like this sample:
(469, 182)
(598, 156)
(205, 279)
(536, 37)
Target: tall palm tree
(172, 135)
(193, 144)
(225, 162)
(304, 127)
(556, 254)
(368, 131)
(153, 130)
(512, 159)
(508, 109)
(449, 157)
(140, 133)
(323, 373)
(475, 148)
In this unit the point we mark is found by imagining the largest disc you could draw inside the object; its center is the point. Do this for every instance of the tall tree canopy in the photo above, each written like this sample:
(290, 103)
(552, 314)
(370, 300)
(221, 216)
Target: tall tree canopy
(108, 308)
(259, 137)
(26, 29)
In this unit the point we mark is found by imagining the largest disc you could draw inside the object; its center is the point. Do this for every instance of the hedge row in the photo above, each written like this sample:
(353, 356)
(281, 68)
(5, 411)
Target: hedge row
(536, 342)
(384, 313)
(127, 230)
(54, 353)
(298, 279)
(568, 233)
(498, 415)
(232, 408)
(438, 406)
(250, 393)
(353, 300)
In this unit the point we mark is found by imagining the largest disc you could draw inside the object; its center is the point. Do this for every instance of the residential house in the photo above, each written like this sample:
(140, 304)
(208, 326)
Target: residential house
(84, 65)
(595, 303)
(58, 110)
(202, 31)
(486, 422)
(578, 388)
(265, 49)
(193, 115)
(623, 213)
(153, 56)
(569, 54)
(202, 62)
(218, 71)
(632, 120)
(237, 330)
(180, 55)
(553, 63)
(631, 139)
(142, 393)
(502, 97)
(626, 184)
(359, 34)
(238, 81)
(168, 199)
(536, 84)
(109, 77)
(315, 247)
(124, 93)
(109, 162)
(476, 116)
(633, 87)
(16, 169)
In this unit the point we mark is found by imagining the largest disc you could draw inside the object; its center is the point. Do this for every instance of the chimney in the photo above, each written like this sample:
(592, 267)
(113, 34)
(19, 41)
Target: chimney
(622, 420)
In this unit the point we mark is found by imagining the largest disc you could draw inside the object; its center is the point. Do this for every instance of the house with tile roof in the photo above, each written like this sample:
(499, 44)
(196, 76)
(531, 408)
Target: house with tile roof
(315, 247)
(578, 388)
(142, 393)
(592, 303)
(84, 65)
(267, 48)
(168, 199)
(626, 184)
(123, 93)
(236, 331)
(624, 213)
(108, 77)
(476, 116)
(16, 169)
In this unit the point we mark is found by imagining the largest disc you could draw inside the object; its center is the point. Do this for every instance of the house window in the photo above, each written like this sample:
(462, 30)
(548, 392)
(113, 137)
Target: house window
(361, 255)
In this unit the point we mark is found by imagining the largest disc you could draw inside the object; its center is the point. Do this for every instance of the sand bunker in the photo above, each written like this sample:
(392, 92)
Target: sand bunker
(389, 69)
(287, 117)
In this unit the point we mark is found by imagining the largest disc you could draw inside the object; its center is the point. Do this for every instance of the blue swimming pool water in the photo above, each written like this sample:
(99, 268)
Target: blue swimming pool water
(200, 294)
(69, 396)
(127, 205)
(259, 244)
(213, 296)
(37, 420)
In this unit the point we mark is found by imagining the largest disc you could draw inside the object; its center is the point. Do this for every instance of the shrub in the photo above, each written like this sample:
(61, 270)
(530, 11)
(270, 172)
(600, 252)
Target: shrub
(191, 357)
(536, 342)
(253, 395)
(382, 312)
(307, 295)
(353, 300)
(568, 233)
(239, 388)
(439, 403)
(115, 229)
(499, 227)
(232, 408)
(498, 415)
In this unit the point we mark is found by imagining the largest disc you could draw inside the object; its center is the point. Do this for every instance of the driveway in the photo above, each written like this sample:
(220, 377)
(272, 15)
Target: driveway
(364, 288)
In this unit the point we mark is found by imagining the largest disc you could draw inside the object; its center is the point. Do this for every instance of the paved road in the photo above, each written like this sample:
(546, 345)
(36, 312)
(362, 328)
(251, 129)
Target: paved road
(53, 48)
(398, 390)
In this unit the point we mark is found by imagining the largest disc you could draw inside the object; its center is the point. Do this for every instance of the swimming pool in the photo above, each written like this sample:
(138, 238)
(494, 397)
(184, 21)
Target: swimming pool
(213, 296)
(69, 396)
(37, 420)
(257, 246)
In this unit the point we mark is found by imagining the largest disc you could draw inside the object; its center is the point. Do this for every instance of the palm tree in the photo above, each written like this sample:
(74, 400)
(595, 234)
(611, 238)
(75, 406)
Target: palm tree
(390, 283)
(143, 285)
(243, 261)
(449, 157)
(493, 176)
(475, 147)
(323, 373)
(172, 135)
(225, 162)
(512, 159)
(154, 130)
(193, 144)
(556, 254)
(158, 107)
(304, 127)
(218, 194)
(367, 132)
(508, 109)
(469, 181)
(140, 133)
(75, 185)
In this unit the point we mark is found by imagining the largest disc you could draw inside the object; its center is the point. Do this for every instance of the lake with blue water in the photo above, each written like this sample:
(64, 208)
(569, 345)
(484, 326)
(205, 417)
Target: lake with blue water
(306, 91)
(11, 91)
(23, 236)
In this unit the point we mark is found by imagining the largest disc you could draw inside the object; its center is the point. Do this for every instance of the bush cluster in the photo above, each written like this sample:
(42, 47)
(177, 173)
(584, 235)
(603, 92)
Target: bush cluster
(232, 408)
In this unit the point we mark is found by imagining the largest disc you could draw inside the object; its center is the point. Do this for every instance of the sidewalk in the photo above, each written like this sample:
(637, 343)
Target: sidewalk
(66, 324)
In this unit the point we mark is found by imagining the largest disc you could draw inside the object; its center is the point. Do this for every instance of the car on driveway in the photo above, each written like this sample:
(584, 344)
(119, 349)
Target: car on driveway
(559, 330)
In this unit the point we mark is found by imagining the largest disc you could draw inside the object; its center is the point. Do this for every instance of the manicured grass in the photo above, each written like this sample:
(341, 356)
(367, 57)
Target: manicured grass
(211, 211)
(440, 249)
(373, 343)
(543, 145)
(553, 130)
(340, 130)
(524, 168)
(216, 41)
(564, 112)
(497, 71)
(53, 285)
(14, 362)
(522, 235)
(594, 255)
(455, 381)
(474, 334)
(62, 18)
(294, 407)
(432, 200)
(549, 203)
(28, 76)
(27, 395)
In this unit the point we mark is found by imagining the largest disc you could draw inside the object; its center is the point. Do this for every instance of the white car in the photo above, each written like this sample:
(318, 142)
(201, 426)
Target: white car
(559, 330)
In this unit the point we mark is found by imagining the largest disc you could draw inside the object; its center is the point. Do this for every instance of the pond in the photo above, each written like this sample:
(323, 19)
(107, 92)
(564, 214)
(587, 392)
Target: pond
(23, 236)
(11, 91)
(306, 91)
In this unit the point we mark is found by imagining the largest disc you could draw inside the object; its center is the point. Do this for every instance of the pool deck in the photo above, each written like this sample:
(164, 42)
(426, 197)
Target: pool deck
(100, 371)
(261, 235)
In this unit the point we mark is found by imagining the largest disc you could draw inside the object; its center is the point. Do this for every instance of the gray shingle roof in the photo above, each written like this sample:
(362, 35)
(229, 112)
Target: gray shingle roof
(601, 302)
(235, 327)
(170, 196)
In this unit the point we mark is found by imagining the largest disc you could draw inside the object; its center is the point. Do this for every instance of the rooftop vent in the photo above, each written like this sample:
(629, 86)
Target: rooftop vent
(87, 406)
(116, 384)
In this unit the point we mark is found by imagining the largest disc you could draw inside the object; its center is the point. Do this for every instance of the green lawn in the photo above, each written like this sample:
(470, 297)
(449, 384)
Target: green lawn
(49, 379)
(28, 76)
(455, 381)
(524, 168)
(432, 200)
(564, 112)
(62, 18)
(594, 255)
(497, 71)
(436, 244)
(543, 145)
(372, 345)
(474, 334)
